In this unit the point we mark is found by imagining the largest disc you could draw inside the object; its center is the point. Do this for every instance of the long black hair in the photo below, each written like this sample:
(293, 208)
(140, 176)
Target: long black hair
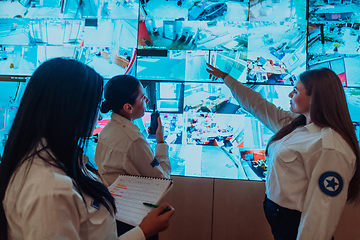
(119, 90)
(328, 109)
(59, 105)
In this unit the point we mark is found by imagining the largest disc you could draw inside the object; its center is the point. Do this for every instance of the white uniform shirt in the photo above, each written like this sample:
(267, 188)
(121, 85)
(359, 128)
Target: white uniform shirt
(309, 170)
(41, 202)
(123, 149)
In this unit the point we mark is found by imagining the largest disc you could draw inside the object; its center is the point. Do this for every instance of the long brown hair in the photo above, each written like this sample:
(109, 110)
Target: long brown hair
(328, 109)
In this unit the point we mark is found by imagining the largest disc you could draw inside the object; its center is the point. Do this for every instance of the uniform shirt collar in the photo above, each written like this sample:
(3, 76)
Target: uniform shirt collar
(312, 128)
(124, 121)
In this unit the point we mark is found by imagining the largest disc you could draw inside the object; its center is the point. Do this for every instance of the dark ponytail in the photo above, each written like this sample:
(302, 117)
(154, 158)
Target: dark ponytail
(120, 90)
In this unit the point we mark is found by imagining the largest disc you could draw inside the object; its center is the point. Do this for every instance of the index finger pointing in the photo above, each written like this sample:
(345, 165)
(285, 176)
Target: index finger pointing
(211, 67)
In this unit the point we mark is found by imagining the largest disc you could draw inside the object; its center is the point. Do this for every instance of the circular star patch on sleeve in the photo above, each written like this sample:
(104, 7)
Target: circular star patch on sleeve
(331, 183)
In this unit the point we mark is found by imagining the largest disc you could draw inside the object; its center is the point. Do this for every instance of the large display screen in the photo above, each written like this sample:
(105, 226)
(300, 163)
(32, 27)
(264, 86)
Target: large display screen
(264, 44)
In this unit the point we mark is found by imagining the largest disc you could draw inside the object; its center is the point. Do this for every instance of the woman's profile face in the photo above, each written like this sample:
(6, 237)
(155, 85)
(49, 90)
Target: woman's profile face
(300, 101)
(139, 105)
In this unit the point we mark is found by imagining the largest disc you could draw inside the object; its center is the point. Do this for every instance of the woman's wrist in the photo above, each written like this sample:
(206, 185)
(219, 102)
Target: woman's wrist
(223, 76)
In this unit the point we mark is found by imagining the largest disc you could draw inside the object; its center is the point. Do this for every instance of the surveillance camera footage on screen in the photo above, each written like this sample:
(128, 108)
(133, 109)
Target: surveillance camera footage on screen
(166, 44)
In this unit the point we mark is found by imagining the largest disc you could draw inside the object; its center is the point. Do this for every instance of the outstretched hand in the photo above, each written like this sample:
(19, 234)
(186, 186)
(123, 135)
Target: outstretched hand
(157, 220)
(215, 71)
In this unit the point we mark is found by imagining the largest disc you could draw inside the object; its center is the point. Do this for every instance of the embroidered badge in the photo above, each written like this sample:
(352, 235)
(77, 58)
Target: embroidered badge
(155, 162)
(331, 183)
(95, 204)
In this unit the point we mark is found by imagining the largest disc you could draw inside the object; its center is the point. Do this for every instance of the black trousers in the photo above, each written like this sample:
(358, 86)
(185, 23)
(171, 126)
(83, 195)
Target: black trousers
(284, 222)
(124, 227)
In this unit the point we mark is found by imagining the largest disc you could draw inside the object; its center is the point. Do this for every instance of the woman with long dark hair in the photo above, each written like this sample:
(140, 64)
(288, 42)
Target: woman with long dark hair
(46, 190)
(313, 158)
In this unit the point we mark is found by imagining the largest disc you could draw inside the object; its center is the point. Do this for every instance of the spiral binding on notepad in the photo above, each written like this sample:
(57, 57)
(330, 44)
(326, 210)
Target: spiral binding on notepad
(146, 177)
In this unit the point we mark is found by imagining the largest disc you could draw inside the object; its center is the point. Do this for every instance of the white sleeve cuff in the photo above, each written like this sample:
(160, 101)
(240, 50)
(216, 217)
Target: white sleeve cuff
(161, 150)
(134, 234)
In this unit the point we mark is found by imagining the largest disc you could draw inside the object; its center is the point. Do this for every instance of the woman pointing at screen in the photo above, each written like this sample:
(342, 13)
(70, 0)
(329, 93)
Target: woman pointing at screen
(313, 158)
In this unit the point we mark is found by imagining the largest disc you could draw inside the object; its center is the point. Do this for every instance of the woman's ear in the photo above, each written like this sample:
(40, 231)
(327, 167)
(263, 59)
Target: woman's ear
(128, 108)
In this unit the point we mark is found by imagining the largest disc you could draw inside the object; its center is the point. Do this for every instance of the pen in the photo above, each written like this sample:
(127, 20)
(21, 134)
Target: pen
(155, 206)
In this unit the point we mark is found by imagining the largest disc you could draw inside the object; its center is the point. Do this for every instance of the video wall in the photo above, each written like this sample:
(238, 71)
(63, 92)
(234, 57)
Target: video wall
(264, 44)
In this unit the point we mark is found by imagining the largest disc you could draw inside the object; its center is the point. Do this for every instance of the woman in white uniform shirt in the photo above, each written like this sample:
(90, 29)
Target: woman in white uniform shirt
(313, 158)
(46, 190)
(122, 148)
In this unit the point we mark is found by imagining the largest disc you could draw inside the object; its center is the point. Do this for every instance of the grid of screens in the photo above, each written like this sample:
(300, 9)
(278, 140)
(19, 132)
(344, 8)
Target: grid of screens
(102, 34)
(257, 42)
(334, 38)
(265, 44)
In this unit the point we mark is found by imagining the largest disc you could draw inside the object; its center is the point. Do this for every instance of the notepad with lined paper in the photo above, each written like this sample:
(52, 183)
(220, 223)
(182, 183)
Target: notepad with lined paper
(130, 192)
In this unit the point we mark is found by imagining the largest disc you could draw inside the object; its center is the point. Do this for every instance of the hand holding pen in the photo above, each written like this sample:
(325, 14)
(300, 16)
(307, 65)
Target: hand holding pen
(157, 220)
(155, 206)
